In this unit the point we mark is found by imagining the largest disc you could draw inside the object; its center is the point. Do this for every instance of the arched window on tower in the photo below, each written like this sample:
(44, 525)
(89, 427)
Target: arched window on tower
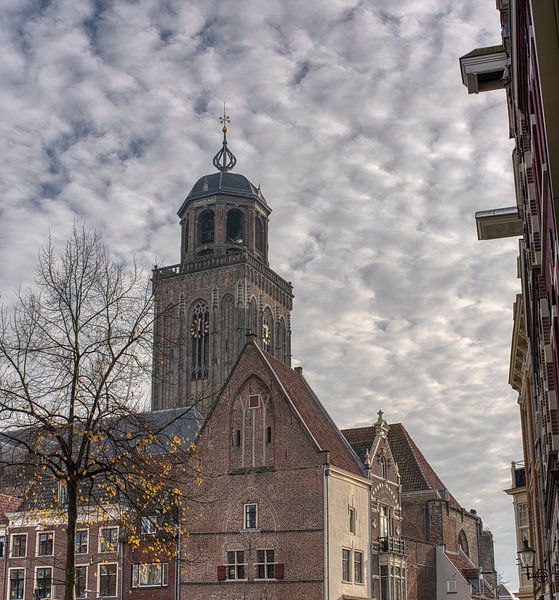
(200, 333)
(185, 235)
(206, 227)
(282, 340)
(235, 227)
(252, 325)
(463, 543)
(228, 329)
(268, 331)
(260, 240)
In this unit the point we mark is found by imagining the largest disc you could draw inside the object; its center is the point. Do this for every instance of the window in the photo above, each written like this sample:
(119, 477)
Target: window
(82, 538)
(523, 515)
(236, 564)
(260, 235)
(62, 492)
(352, 519)
(358, 567)
(19, 545)
(108, 539)
(383, 467)
(17, 584)
(2, 546)
(45, 542)
(384, 584)
(451, 586)
(149, 575)
(200, 333)
(463, 543)
(148, 524)
(268, 435)
(107, 580)
(346, 564)
(235, 226)
(206, 227)
(265, 564)
(238, 438)
(251, 520)
(384, 525)
(81, 581)
(43, 581)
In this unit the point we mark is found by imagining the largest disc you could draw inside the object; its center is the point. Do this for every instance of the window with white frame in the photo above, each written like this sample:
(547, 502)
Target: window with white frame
(522, 509)
(43, 581)
(346, 565)
(19, 545)
(81, 581)
(17, 584)
(107, 580)
(451, 586)
(352, 519)
(265, 564)
(251, 516)
(82, 541)
(358, 566)
(2, 546)
(149, 575)
(236, 565)
(384, 521)
(108, 539)
(149, 524)
(45, 543)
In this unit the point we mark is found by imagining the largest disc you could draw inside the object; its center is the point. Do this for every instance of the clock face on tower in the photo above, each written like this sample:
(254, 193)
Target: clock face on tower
(199, 328)
(266, 335)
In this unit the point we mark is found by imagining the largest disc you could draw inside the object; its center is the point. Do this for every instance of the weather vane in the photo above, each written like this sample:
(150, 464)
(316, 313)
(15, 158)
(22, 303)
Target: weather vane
(224, 160)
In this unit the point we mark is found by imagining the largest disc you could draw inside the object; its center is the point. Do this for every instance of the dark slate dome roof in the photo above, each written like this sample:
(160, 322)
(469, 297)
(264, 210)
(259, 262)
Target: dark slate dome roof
(231, 184)
(224, 183)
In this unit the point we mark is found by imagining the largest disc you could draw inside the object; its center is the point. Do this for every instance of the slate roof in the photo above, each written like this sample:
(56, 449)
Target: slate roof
(315, 417)
(230, 184)
(7, 504)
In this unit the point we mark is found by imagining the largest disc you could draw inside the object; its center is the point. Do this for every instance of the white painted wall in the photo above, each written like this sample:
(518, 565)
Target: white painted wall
(344, 491)
(446, 571)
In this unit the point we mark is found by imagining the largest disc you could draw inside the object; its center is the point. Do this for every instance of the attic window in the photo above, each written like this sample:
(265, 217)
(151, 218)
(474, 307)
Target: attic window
(254, 401)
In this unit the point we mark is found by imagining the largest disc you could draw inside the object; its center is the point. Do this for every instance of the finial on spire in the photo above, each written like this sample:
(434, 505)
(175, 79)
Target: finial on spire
(380, 413)
(224, 160)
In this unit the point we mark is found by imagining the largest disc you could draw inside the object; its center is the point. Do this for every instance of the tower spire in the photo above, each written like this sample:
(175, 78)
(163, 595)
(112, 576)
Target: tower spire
(224, 160)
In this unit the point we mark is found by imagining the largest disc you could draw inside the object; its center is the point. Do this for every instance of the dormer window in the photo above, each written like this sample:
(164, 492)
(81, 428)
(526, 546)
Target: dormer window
(235, 227)
(206, 227)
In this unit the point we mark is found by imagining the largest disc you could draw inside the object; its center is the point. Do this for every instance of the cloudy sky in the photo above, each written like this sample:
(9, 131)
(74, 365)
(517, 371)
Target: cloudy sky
(353, 118)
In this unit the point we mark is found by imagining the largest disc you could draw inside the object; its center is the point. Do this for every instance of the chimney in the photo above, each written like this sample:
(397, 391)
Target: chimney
(299, 370)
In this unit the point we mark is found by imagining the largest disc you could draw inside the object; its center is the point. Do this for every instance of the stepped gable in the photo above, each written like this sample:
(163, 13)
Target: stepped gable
(314, 415)
(416, 473)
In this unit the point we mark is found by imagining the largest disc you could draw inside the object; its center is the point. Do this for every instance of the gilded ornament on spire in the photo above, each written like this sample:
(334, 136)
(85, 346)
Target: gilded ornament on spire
(224, 160)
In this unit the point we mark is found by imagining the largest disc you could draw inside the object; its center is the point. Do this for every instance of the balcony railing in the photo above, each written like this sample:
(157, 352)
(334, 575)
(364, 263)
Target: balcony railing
(391, 544)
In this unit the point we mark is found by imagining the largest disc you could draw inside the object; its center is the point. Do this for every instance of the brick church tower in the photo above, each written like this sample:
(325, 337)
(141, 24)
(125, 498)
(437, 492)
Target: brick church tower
(221, 291)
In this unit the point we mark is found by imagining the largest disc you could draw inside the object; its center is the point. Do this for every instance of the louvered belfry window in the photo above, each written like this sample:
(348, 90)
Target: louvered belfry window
(200, 333)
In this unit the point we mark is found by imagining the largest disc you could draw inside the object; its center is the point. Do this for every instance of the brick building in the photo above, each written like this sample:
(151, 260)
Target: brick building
(525, 65)
(448, 552)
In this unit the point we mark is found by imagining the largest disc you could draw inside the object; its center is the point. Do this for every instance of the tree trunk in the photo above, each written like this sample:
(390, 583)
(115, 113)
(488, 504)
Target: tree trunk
(72, 514)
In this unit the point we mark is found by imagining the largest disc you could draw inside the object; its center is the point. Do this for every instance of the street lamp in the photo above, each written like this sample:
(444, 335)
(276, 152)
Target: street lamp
(526, 556)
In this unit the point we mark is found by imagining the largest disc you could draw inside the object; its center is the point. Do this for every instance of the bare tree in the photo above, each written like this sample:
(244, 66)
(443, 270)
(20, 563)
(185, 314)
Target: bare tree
(75, 356)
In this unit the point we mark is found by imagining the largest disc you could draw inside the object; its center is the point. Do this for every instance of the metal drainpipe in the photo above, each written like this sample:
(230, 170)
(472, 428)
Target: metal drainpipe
(121, 594)
(5, 568)
(178, 562)
(326, 547)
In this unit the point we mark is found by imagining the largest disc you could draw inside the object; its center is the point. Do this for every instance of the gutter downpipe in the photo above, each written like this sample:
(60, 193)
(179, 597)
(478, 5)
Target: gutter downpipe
(178, 561)
(121, 565)
(5, 567)
(326, 548)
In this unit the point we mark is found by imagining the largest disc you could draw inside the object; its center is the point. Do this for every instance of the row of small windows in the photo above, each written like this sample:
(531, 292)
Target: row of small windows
(234, 229)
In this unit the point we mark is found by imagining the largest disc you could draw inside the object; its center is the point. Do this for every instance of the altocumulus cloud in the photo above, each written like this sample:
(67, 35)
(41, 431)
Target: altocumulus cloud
(352, 117)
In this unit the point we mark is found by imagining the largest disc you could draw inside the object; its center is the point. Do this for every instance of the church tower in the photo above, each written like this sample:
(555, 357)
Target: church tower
(221, 291)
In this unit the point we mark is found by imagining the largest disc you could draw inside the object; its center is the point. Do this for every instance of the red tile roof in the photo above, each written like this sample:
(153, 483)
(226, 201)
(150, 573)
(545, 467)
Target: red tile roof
(415, 472)
(315, 417)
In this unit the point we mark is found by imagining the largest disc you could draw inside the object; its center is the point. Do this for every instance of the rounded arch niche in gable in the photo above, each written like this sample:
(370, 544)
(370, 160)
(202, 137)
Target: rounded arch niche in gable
(252, 426)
